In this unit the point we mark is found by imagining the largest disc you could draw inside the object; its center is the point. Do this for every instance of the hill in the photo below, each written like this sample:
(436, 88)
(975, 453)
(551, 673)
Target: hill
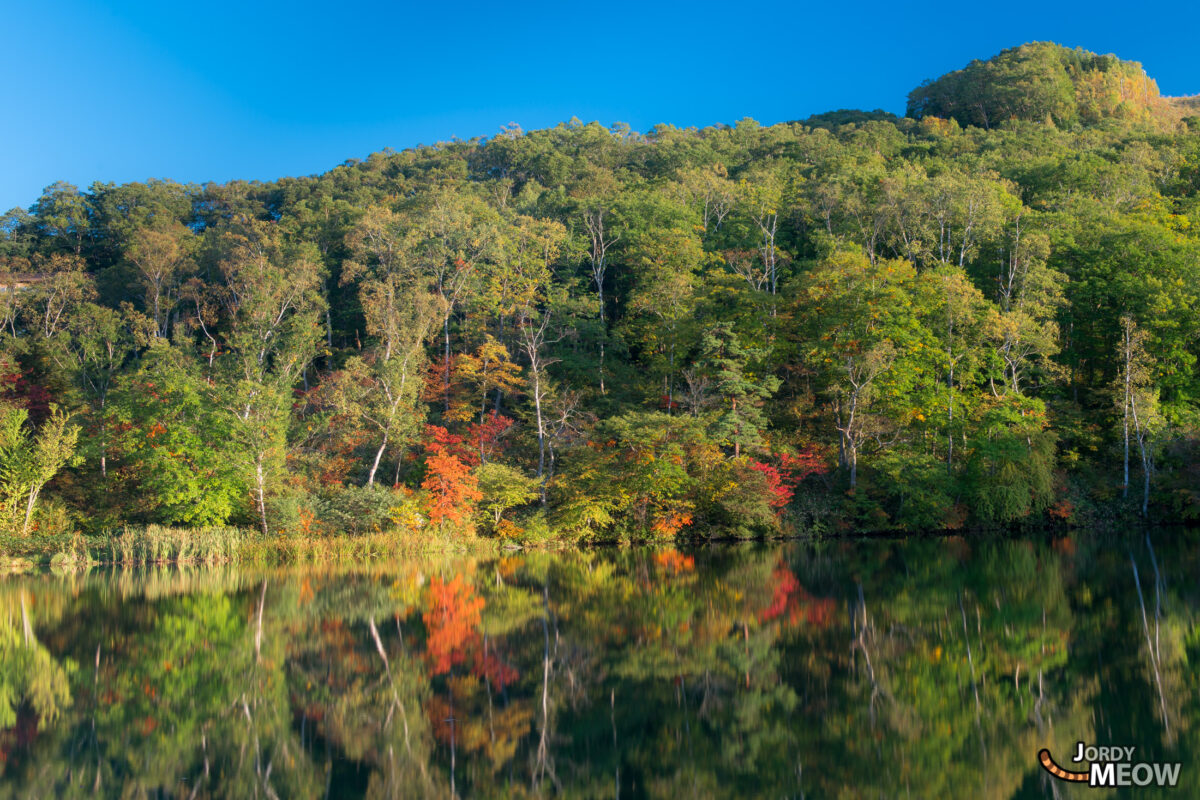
(852, 322)
(1042, 82)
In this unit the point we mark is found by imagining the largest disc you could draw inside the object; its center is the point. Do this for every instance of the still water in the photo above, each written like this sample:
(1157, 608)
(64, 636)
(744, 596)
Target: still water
(932, 668)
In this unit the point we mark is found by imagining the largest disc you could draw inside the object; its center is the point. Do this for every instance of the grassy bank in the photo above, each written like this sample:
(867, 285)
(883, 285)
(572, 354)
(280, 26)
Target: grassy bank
(154, 544)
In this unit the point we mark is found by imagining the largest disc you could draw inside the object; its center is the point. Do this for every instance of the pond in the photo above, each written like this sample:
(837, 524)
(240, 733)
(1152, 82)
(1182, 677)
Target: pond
(862, 668)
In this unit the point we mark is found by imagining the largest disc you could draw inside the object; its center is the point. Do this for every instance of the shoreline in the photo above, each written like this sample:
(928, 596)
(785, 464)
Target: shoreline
(155, 546)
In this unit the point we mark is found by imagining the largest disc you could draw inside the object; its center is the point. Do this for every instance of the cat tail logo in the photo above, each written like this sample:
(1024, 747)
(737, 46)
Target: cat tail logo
(1111, 767)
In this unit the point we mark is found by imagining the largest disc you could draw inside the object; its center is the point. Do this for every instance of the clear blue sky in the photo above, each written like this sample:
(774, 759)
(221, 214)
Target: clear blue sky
(124, 91)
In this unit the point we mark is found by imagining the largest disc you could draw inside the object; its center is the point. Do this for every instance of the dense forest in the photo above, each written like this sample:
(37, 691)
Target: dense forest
(981, 314)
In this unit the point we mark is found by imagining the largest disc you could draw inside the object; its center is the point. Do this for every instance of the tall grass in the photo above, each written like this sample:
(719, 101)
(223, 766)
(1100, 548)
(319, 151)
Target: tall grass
(155, 544)
(358, 548)
(160, 545)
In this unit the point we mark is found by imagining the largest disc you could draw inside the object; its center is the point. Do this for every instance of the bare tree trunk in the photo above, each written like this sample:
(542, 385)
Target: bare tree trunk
(33, 494)
(1154, 663)
(378, 457)
(26, 626)
(1128, 397)
(1147, 465)
(671, 377)
(543, 744)
(541, 433)
(603, 332)
(446, 358)
(950, 428)
(533, 341)
(262, 601)
(1143, 436)
(843, 458)
(103, 438)
(950, 409)
(593, 220)
(261, 481)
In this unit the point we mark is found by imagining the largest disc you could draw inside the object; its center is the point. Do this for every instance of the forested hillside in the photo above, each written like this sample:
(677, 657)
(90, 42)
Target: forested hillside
(981, 314)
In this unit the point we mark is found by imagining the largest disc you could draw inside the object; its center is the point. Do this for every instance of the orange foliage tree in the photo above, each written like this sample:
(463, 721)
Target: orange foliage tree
(453, 491)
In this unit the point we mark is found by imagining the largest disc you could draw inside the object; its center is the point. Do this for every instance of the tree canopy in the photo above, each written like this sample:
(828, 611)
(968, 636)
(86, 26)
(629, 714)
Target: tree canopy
(858, 321)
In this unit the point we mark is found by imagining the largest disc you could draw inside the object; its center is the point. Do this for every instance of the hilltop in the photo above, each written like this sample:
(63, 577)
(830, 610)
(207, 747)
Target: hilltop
(1045, 82)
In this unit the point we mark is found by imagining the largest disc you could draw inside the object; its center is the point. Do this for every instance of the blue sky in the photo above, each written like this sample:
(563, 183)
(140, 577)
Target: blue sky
(124, 91)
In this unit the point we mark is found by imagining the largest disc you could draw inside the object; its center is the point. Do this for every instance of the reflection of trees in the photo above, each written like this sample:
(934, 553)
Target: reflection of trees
(1149, 691)
(355, 688)
(33, 683)
(955, 676)
(936, 668)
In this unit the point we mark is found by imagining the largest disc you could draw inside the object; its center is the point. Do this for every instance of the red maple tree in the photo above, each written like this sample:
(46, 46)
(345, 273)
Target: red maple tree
(782, 480)
(485, 436)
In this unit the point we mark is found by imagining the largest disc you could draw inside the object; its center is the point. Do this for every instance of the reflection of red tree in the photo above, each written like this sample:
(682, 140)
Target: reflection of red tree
(441, 718)
(1064, 546)
(451, 622)
(790, 601)
(673, 561)
(490, 666)
(452, 626)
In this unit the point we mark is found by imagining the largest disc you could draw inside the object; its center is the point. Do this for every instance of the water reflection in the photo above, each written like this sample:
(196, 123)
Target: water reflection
(926, 668)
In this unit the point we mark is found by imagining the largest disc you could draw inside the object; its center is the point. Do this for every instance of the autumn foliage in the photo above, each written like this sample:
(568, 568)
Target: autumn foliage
(451, 622)
(671, 560)
(783, 479)
(792, 604)
(485, 436)
(452, 488)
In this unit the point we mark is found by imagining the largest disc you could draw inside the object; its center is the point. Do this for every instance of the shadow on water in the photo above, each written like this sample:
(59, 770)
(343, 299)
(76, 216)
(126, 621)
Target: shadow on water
(910, 668)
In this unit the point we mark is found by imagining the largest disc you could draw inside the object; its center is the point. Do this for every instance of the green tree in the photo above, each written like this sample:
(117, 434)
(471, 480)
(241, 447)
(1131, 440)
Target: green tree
(1137, 398)
(29, 460)
(860, 331)
(955, 312)
(449, 233)
(64, 216)
(740, 421)
(504, 488)
(94, 348)
(530, 248)
(663, 303)
(161, 254)
(175, 442)
(383, 389)
(1010, 470)
(272, 302)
